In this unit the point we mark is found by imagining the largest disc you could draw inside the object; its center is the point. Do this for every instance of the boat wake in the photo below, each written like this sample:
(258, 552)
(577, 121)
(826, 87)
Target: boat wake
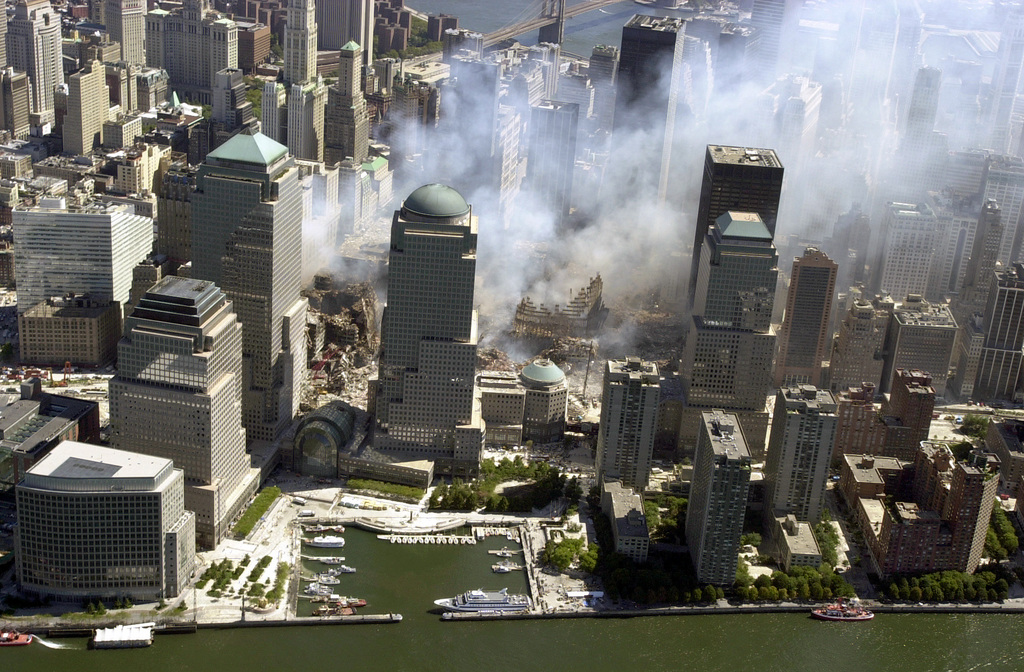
(50, 645)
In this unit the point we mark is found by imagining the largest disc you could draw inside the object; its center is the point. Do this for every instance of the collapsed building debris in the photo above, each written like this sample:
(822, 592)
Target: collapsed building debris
(584, 315)
(343, 336)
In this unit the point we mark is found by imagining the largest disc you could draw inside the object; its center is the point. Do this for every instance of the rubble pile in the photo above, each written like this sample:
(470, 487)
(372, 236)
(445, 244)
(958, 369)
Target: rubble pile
(350, 338)
(349, 313)
(493, 359)
(569, 353)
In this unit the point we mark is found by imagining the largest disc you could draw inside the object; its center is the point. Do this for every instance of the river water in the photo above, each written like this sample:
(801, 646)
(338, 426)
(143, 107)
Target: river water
(407, 578)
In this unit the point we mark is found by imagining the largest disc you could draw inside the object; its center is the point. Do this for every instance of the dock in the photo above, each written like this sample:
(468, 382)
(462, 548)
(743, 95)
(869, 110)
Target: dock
(321, 558)
(510, 533)
(505, 550)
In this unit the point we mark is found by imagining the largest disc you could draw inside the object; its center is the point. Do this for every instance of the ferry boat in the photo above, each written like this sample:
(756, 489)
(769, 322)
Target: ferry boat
(325, 542)
(841, 611)
(13, 638)
(485, 600)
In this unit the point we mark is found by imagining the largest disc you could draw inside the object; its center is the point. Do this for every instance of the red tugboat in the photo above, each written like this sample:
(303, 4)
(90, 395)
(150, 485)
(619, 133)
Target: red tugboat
(841, 611)
(12, 638)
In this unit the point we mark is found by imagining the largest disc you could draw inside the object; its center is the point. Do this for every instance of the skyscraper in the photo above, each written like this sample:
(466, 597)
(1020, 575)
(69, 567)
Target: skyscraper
(718, 498)
(15, 102)
(1004, 183)
(300, 42)
(178, 395)
(88, 104)
(126, 24)
(805, 336)
(346, 121)
(909, 248)
(999, 366)
(984, 254)
(603, 71)
(1010, 59)
(552, 156)
(857, 353)
(192, 44)
(344, 21)
(648, 88)
(34, 47)
(730, 349)
(293, 112)
(920, 336)
(740, 179)
(799, 452)
(776, 21)
(88, 249)
(629, 421)
(425, 396)
(247, 239)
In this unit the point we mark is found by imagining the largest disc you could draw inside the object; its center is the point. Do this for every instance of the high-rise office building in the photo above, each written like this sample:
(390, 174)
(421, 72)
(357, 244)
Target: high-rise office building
(15, 102)
(603, 71)
(178, 395)
(305, 136)
(34, 47)
(629, 421)
(293, 112)
(910, 232)
(776, 22)
(346, 121)
(973, 298)
(921, 336)
(88, 103)
(300, 42)
(919, 123)
(344, 21)
(799, 452)
(126, 24)
(740, 179)
(174, 208)
(1010, 60)
(192, 44)
(805, 336)
(730, 349)
(857, 351)
(999, 366)
(425, 396)
(650, 61)
(98, 522)
(552, 156)
(247, 239)
(1004, 183)
(718, 498)
(90, 249)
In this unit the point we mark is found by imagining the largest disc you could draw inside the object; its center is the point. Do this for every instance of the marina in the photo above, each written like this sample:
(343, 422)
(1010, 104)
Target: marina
(427, 538)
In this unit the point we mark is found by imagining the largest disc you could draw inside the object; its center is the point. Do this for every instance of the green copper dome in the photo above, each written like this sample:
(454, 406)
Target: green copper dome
(436, 200)
(543, 371)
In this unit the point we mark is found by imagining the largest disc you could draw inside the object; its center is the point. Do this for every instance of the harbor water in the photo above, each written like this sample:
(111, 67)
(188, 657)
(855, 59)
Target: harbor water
(407, 578)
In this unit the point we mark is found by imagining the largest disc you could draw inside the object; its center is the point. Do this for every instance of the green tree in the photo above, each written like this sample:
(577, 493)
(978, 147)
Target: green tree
(752, 539)
(975, 426)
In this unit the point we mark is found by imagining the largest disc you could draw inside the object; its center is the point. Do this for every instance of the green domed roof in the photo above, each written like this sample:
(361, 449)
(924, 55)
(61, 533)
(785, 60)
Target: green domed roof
(543, 371)
(436, 200)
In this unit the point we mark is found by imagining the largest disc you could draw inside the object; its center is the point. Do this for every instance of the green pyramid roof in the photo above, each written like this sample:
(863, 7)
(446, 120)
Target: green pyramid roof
(351, 45)
(256, 148)
(743, 225)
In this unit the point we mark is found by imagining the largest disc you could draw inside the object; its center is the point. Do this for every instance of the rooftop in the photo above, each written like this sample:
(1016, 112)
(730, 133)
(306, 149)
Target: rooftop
(74, 460)
(744, 156)
(436, 200)
(543, 371)
(743, 225)
(255, 148)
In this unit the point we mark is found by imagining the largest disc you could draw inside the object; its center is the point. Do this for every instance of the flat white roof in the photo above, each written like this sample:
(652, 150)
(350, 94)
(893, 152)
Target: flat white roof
(72, 459)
